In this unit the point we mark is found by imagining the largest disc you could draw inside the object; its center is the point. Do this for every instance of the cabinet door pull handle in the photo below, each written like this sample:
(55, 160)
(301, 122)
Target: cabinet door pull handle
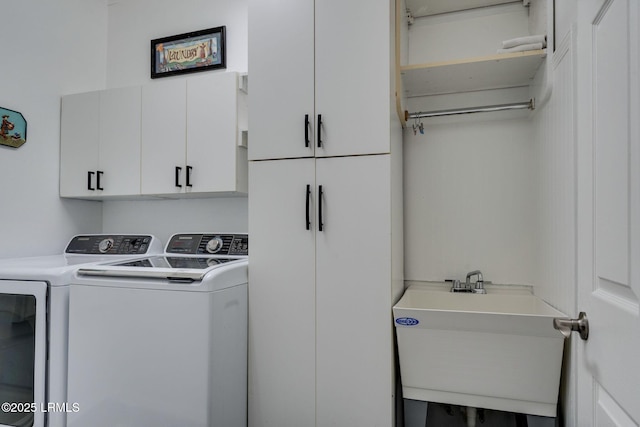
(306, 130)
(319, 124)
(320, 221)
(98, 186)
(178, 171)
(308, 214)
(89, 179)
(188, 183)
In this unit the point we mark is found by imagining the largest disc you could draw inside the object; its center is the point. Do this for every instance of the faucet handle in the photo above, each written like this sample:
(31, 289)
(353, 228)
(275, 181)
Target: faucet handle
(479, 289)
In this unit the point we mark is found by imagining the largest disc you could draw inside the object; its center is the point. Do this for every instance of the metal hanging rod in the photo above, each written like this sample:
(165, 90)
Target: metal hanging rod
(483, 109)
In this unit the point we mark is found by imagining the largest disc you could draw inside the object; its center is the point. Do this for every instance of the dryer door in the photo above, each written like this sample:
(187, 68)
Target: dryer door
(23, 340)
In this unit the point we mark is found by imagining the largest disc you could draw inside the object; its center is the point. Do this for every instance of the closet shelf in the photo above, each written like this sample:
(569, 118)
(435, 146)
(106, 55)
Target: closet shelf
(481, 73)
(419, 8)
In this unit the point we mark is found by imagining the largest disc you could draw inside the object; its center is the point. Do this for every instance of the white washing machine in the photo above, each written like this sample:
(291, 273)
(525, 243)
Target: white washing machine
(34, 299)
(162, 341)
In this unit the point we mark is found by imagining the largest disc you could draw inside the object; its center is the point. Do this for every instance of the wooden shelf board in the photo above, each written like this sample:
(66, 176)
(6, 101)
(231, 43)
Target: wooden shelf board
(465, 75)
(433, 7)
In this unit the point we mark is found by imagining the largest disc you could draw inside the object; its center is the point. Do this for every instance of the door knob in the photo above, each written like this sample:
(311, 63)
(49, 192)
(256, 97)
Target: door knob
(566, 325)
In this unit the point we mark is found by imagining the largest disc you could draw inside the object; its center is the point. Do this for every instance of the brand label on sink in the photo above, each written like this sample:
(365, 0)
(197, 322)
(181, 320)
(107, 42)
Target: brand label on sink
(407, 321)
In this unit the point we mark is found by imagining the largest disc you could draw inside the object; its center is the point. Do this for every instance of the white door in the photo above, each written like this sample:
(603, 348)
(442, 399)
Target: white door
(281, 53)
(212, 123)
(282, 318)
(164, 124)
(119, 154)
(354, 327)
(353, 77)
(79, 137)
(609, 212)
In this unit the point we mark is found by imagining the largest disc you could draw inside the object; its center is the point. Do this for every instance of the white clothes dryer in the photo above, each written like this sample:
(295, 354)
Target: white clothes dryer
(162, 341)
(34, 299)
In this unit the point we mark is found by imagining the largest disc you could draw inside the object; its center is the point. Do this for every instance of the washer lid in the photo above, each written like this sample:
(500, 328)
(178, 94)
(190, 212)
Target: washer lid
(172, 268)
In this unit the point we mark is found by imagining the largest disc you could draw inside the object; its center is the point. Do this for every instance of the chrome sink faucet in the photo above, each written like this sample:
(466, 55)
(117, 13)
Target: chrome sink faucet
(467, 286)
(479, 288)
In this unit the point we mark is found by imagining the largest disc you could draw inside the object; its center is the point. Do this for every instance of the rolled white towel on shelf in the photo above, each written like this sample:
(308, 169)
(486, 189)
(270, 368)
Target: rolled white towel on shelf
(519, 41)
(522, 48)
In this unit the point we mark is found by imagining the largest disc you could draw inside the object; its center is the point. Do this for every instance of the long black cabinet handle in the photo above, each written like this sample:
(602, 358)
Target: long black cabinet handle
(320, 221)
(306, 131)
(178, 171)
(98, 176)
(308, 214)
(319, 124)
(188, 183)
(89, 179)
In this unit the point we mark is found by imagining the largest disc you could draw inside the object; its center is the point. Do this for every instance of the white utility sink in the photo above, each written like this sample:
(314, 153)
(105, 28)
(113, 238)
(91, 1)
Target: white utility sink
(497, 351)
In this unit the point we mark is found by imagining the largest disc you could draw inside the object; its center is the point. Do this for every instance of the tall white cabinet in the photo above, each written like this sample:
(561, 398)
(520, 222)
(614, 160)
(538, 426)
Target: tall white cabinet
(325, 213)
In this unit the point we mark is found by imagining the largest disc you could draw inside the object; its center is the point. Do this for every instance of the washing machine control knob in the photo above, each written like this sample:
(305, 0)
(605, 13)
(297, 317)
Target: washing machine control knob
(214, 245)
(105, 245)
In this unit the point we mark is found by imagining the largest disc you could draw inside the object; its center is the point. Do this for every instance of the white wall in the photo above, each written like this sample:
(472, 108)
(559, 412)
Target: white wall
(468, 200)
(163, 218)
(134, 23)
(556, 183)
(555, 151)
(132, 26)
(49, 48)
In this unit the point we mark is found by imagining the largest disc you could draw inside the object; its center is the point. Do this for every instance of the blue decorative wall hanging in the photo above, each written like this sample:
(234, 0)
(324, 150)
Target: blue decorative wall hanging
(13, 130)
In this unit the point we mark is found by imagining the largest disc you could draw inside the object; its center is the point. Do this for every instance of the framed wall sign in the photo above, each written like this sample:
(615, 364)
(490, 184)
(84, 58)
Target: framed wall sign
(13, 130)
(188, 53)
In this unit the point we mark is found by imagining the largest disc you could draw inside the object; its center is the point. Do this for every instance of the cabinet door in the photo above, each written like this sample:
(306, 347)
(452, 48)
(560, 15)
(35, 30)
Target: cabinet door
(282, 294)
(163, 137)
(212, 123)
(353, 293)
(281, 49)
(353, 76)
(119, 158)
(79, 129)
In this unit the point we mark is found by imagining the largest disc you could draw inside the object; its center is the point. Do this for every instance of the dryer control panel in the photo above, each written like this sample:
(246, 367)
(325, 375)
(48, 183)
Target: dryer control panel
(209, 244)
(109, 244)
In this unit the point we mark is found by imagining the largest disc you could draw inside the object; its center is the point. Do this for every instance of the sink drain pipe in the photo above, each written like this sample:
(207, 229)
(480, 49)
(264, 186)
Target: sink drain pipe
(471, 416)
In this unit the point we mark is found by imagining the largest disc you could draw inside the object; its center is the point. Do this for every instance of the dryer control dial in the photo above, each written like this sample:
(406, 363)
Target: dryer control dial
(214, 245)
(105, 245)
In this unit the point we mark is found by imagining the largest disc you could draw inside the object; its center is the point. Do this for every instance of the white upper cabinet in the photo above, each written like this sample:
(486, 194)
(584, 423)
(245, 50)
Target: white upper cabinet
(191, 137)
(281, 57)
(174, 138)
(319, 66)
(100, 144)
